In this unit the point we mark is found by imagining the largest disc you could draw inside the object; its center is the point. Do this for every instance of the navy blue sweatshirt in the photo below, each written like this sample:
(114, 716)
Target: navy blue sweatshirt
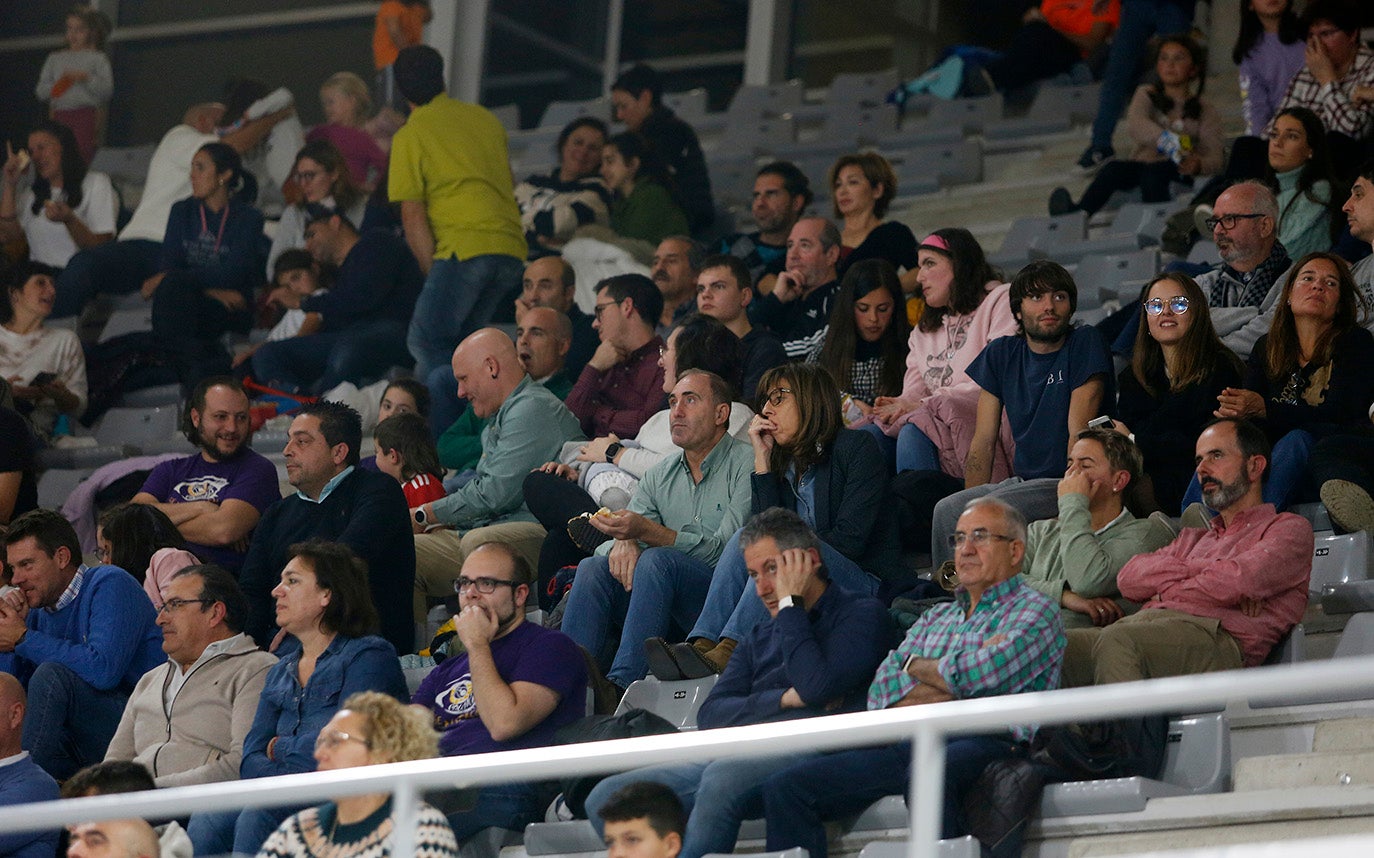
(379, 279)
(231, 260)
(829, 652)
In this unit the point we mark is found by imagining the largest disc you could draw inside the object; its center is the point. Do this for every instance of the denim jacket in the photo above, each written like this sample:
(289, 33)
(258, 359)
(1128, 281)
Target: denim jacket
(294, 715)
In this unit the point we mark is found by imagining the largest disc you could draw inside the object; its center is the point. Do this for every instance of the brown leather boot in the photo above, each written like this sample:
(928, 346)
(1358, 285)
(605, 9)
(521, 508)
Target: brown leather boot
(719, 655)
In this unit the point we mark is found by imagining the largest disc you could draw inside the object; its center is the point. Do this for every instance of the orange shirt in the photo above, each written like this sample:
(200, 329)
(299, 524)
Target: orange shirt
(412, 19)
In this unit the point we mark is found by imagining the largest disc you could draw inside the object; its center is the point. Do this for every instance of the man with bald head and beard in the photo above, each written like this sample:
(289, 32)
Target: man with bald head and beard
(526, 427)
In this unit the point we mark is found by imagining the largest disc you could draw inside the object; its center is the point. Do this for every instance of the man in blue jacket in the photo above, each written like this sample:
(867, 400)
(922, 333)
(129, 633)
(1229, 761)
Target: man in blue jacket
(816, 656)
(78, 637)
(355, 330)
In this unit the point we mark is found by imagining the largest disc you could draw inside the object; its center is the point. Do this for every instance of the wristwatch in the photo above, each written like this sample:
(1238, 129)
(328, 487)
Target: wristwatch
(420, 517)
(612, 450)
(790, 601)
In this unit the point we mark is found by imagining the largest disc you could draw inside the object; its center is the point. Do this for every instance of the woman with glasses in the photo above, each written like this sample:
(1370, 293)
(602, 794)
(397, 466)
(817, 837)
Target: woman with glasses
(370, 729)
(141, 540)
(1309, 377)
(834, 478)
(322, 178)
(1169, 391)
(328, 650)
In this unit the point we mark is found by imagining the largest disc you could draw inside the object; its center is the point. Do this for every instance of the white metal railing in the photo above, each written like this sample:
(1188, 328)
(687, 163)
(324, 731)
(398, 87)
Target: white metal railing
(928, 726)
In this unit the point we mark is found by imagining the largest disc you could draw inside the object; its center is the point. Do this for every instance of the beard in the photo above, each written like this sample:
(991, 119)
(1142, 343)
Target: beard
(1218, 495)
(1046, 333)
(210, 445)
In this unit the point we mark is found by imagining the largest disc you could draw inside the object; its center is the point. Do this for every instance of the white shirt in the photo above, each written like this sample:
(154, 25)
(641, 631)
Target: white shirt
(169, 180)
(50, 243)
(55, 350)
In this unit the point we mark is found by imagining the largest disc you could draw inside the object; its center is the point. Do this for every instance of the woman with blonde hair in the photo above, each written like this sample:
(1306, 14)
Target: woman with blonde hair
(347, 107)
(371, 728)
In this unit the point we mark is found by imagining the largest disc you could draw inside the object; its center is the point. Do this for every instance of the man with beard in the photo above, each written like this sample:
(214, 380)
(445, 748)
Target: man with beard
(677, 259)
(1049, 381)
(781, 194)
(513, 686)
(1216, 598)
(215, 497)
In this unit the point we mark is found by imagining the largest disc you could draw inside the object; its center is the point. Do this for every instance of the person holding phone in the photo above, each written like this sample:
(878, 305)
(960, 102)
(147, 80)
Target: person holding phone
(44, 366)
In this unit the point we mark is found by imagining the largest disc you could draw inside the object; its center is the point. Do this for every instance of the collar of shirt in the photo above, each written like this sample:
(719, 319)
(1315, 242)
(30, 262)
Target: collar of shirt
(1108, 526)
(991, 595)
(212, 649)
(642, 353)
(706, 463)
(13, 758)
(1219, 527)
(328, 487)
(73, 590)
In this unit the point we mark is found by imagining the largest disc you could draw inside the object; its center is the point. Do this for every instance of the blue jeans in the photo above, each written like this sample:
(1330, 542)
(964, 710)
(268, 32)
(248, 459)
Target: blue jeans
(915, 450)
(886, 444)
(1286, 472)
(458, 298)
(70, 722)
(511, 806)
(316, 363)
(668, 588)
(1036, 499)
(243, 832)
(718, 795)
(1140, 19)
(733, 608)
(116, 267)
(799, 799)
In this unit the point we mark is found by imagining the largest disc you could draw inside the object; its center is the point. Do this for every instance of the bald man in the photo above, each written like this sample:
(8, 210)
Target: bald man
(550, 282)
(21, 779)
(526, 426)
(114, 838)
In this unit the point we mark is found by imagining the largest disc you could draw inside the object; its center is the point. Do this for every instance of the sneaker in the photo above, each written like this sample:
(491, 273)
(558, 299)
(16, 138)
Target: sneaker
(1093, 158)
(1350, 506)
(1200, 215)
(1061, 203)
(584, 534)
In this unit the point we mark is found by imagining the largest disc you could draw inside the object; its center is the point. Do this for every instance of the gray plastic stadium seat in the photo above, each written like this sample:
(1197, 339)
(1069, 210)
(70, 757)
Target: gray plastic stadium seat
(56, 484)
(1197, 762)
(732, 178)
(144, 428)
(1068, 250)
(560, 113)
(1358, 637)
(677, 701)
(128, 162)
(563, 838)
(950, 163)
(78, 458)
(689, 105)
(414, 676)
(509, 114)
(861, 87)
(1145, 221)
(753, 101)
(1204, 252)
(1016, 245)
(164, 394)
(759, 135)
(1315, 513)
(1101, 277)
(961, 847)
(1055, 109)
(968, 114)
(794, 852)
(1291, 648)
(1339, 559)
(859, 124)
(128, 322)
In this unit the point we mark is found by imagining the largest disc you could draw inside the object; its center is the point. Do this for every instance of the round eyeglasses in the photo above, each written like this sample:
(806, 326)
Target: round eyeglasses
(1178, 305)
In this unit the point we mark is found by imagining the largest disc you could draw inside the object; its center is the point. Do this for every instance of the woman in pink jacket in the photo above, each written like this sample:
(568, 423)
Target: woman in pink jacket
(966, 307)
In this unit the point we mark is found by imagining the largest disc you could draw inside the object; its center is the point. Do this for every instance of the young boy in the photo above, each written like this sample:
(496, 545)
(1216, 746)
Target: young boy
(294, 276)
(643, 820)
(406, 453)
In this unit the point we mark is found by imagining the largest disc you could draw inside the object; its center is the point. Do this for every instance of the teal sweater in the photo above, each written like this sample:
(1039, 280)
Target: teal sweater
(108, 636)
(1304, 225)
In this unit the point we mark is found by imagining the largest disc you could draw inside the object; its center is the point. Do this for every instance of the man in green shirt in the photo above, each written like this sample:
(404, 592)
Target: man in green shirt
(655, 572)
(1074, 558)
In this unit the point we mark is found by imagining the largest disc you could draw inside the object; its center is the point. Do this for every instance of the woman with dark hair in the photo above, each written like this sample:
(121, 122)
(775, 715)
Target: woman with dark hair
(322, 175)
(1270, 48)
(1177, 134)
(865, 344)
(211, 262)
(1300, 167)
(65, 207)
(1169, 391)
(44, 365)
(642, 206)
(604, 472)
(834, 478)
(966, 308)
(1309, 376)
(329, 650)
(864, 185)
(553, 206)
(142, 540)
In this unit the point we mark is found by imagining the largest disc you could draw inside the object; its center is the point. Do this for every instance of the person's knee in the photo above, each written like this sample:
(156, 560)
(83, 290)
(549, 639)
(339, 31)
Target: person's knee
(51, 677)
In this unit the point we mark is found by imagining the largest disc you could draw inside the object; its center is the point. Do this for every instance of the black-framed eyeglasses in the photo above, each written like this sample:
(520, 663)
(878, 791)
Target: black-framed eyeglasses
(596, 311)
(335, 738)
(979, 538)
(178, 604)
(1177, 304)
(1228, 222)
(777, 395)
(485, 586)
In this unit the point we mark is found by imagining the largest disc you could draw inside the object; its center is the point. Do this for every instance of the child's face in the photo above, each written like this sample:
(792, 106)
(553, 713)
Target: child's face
(78, 35)
(340, 108)
(636, 838)
(395, 400)
(1175, 65)
(389, 463)
(302, 281)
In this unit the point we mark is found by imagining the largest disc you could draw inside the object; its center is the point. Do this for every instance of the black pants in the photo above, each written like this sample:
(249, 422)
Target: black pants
(189, 323)
(553, 500)
(1152, 178)
(1037, 51)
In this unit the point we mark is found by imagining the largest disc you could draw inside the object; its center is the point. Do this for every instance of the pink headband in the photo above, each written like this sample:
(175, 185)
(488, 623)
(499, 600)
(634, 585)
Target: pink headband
(936, 242)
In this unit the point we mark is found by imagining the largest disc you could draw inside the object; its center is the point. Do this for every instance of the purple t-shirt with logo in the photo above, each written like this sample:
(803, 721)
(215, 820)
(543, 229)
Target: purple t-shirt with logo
(530, 653)
(248, 477)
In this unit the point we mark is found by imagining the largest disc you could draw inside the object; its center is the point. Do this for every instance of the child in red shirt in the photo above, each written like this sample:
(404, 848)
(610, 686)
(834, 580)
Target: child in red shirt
(406, 453)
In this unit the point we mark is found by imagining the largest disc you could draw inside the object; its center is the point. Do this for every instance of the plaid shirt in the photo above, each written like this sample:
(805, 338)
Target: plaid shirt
(73, 590)
(1026, 656)
(1332, 101)
(1227, 287)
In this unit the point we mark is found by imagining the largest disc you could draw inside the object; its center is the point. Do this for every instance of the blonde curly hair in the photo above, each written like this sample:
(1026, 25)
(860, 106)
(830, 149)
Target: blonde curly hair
(397, 732)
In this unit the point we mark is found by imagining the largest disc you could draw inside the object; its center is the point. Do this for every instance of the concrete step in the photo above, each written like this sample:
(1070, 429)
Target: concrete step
(1346, 734)
(1295, 771)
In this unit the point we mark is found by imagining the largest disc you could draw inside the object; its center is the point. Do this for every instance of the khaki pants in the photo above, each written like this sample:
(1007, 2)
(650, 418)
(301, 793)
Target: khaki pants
(439, 557)
(1148, 645)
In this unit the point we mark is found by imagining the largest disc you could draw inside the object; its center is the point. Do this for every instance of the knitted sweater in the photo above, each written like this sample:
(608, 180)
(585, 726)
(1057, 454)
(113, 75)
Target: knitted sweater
(22, 782)
(313, 832)
(201, 741)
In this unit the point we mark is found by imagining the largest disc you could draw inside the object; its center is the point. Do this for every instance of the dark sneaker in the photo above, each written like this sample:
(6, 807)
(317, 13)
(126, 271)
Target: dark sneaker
(1093, 158)
(1061, 203)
